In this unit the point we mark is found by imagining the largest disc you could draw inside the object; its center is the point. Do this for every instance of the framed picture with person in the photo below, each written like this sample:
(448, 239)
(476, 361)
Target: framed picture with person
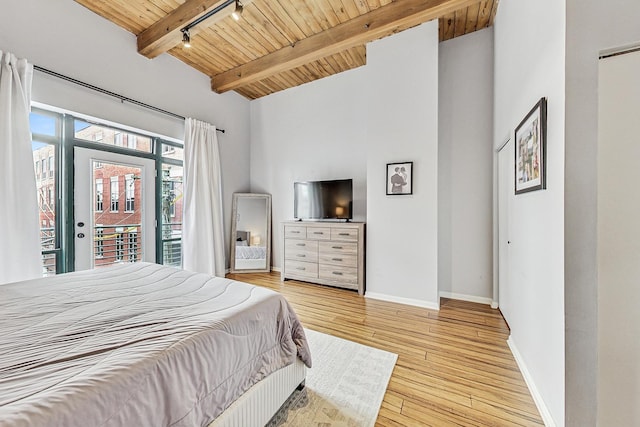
(530, 150)
(399, 178)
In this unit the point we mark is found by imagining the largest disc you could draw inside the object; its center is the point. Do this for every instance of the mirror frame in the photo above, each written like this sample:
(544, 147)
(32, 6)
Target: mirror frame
(234, 232)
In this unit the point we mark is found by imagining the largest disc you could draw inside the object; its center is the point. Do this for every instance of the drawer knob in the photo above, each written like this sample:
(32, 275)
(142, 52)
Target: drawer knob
(300, 268)
(295, 232)
(318, 232)
(301, 244)
(336, 247)
(343, 234)
(336, 259)
(337, 273)
(301, 255)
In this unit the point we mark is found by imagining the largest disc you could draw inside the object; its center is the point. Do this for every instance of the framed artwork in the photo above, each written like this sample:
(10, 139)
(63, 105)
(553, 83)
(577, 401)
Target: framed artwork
(530, 150)
(399, 178)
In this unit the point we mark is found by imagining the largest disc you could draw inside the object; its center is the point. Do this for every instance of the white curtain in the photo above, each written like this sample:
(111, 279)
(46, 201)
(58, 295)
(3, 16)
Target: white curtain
(203, 233)
(19, 221)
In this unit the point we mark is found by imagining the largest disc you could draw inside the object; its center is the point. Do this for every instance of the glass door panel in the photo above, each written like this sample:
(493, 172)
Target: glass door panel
(114, 205)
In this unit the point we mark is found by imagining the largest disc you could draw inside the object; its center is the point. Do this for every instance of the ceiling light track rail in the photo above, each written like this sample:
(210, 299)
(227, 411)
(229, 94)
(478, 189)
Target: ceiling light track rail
(112, 94)
(208, 15)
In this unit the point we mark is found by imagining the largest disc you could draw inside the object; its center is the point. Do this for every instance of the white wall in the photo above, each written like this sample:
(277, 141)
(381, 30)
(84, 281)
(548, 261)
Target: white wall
(402, 231)
(529, 64)
(65, 37)
(311, 132)
(465, 156)
(350, 126)
(618, 243)
(592, 27)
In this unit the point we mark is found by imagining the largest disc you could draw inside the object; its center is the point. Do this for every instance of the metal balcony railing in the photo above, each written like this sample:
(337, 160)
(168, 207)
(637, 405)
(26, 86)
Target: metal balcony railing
(116, 244)
(172, 244)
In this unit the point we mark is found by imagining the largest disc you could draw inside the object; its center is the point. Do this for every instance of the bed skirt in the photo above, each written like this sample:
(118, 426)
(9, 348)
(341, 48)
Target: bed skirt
(261, 402)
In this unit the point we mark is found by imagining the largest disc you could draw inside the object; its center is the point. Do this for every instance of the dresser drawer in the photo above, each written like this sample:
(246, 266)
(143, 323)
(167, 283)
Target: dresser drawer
(301, 250)
(344, 234)
(295, 232)
(340, 275)
(319, 233)
(338, 253)
(301, 269)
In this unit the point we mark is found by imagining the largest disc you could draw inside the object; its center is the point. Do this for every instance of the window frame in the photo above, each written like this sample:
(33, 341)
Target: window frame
(114, 195)
(65, 143)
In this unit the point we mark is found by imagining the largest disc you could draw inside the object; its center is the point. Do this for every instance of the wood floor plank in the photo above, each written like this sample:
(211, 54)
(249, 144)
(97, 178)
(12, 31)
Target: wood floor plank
(454, 366)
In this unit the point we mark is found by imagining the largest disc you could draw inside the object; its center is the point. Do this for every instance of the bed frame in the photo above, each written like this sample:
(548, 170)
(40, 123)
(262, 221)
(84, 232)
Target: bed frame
(262, 401)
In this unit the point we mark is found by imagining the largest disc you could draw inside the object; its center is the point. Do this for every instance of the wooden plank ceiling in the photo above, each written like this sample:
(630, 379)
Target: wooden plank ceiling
(278, 44)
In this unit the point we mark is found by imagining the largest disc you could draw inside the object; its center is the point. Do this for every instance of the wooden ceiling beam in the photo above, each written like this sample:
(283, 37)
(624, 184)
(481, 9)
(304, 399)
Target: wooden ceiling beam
(166, 33)
(381, 22)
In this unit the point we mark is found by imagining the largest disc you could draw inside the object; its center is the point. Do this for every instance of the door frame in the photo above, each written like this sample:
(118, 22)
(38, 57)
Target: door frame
(496, 220)
(148, 220)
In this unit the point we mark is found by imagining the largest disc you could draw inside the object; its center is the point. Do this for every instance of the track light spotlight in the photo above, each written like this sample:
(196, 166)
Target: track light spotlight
(236, 13)
(186, 38)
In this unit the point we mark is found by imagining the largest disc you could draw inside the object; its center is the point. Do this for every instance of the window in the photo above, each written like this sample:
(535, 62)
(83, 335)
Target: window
(172, 152)
(106, 135)
(129, 185)
(99, 195)
(51, 198)
(45, 146)
(133, 247)
(121, 240)
(132, 141)
(171, 218)
(114, 194)
(99, 242)
(167, 149)
(119, 247)
(169, 198)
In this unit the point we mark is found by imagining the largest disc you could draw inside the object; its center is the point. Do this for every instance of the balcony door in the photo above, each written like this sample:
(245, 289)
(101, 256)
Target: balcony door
(114, 208)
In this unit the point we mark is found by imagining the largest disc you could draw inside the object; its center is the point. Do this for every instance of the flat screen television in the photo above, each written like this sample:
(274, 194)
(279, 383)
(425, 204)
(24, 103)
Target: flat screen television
(323, 199)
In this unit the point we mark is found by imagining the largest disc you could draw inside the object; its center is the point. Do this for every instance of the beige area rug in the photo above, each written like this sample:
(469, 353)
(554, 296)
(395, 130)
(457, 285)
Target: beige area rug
(345, 387)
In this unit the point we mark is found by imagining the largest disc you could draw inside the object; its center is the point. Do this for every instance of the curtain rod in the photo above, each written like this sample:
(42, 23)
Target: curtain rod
(113, 94)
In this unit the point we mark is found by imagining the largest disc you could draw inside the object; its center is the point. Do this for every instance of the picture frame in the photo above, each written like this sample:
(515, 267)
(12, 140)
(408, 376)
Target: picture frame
(531, 150)
(399, 178)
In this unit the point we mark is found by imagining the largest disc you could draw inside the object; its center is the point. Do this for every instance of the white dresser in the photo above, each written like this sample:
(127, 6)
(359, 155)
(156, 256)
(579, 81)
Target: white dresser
(329, 253)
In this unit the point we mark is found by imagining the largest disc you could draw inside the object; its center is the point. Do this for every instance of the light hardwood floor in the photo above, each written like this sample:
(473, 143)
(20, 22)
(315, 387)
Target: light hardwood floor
(454, 366)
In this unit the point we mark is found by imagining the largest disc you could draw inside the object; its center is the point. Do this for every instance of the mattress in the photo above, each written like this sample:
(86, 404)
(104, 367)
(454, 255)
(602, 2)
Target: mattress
(137, 344)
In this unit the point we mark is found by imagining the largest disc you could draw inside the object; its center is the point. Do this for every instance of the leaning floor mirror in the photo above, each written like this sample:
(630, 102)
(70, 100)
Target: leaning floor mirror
(251, 233)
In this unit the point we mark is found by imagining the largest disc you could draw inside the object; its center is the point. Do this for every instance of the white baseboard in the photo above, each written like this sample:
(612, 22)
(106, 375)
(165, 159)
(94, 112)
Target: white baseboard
(278, 269)
(537, 398)
(494, 304)
(401, 300)
(463, 297)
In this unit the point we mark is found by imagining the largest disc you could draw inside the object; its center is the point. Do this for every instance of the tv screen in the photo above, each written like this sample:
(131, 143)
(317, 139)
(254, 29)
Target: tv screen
(323, 199)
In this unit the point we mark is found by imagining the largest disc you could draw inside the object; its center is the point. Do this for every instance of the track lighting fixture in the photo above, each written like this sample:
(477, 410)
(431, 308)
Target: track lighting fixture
(186, 38)
(236, 13)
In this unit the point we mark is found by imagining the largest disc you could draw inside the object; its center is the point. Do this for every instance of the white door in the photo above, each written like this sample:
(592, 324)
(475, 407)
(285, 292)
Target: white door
(505, 194)
(114, 205)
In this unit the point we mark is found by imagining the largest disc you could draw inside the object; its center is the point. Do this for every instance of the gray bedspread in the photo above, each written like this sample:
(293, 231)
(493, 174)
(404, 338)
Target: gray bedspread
(137, 345)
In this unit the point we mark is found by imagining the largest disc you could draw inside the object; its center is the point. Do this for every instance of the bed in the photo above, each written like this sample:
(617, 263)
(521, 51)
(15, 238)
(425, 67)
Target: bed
(250, 257)
(146, 345)
(247, 256)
